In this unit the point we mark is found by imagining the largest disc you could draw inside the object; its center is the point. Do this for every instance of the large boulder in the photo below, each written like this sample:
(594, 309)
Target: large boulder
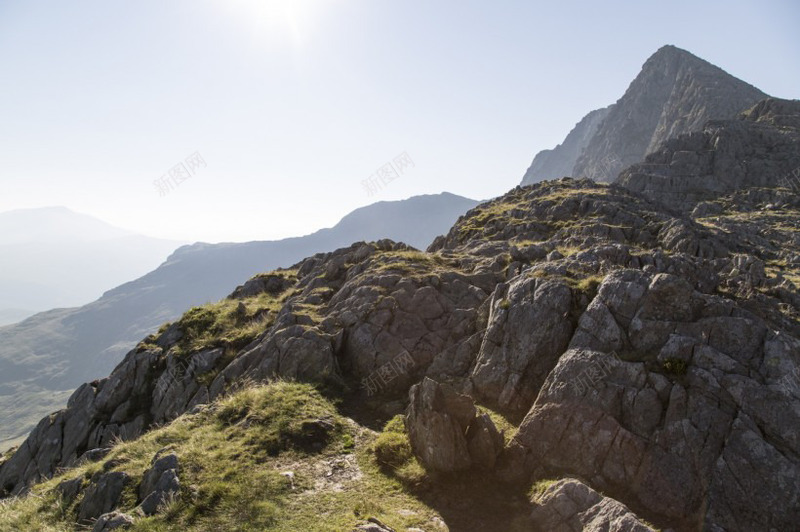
(160, 484)
(530, 326)
(571, 506)
(445, 431)
(102, 496)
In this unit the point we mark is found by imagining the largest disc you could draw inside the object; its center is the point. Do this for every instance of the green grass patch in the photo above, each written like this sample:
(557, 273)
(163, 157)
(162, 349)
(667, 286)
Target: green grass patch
(539, 487)
(392, 448)
(412, 263)
(232, 459)
(507, 428)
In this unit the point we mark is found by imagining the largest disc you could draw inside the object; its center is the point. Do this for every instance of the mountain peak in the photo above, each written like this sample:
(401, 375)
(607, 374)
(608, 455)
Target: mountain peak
(675, 93)
(670, 50)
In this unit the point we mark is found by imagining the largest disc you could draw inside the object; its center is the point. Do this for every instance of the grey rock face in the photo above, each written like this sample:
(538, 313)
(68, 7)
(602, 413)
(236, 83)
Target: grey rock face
(151, 477)
(145, 388)
(529, 327)
(260, 284)
(159, 484)
(760, 149)
(93, 455)
(484, 442)
(166, 488)
(675, 93)
(673, 442)
(69, 489)
(437, 422)
(445, 431)
(560, 161)
(102, 496)
(571, 506)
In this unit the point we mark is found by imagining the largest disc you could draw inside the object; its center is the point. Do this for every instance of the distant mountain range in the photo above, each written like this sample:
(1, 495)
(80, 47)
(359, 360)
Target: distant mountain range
(54, 257)
(675, 93)
(57, 350)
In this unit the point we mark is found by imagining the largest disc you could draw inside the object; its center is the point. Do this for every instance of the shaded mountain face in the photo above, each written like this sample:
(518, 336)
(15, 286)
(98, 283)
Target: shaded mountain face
(675, 93)
(759, 149)
(649, 355)
(53, 257)
(560, 161)
(59, 349)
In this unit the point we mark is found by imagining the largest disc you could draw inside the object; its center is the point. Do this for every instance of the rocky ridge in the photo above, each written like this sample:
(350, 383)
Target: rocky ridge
(759, 149)
(44, 358)
(646, 353)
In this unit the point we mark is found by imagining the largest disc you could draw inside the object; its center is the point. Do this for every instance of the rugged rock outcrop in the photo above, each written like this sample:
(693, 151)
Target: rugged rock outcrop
(674, 404)
(759, 149)
(530, 325)
(160, 484)
(650, 354)
(53, 352)
(675, 93)
(102, 496)
(446, 432)
(571, 506)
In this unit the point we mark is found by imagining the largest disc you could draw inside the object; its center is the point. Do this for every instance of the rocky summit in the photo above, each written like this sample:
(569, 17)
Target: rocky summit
(761, 148)
(574, 355)
(675, 93)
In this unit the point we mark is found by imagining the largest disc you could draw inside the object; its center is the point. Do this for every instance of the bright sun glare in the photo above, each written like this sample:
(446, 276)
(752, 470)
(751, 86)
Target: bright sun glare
(279, 15)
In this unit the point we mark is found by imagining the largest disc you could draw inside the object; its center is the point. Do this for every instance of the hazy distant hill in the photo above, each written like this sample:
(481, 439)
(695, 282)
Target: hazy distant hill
(54, 257)
(59, 349)
(675, 93)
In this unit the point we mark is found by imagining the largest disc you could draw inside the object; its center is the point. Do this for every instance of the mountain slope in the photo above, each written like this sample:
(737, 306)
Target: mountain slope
(560, 161)
(60, 349)
(644, 353)
(53, 257)
(13, 315)
(675, 93)
(759, 149)
(54, 224)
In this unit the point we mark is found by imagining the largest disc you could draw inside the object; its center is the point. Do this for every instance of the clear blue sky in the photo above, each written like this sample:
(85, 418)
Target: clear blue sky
(293, 103)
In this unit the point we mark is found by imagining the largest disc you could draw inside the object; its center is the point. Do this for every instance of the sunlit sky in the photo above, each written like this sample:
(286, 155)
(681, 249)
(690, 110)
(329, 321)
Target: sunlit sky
(292, 104)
